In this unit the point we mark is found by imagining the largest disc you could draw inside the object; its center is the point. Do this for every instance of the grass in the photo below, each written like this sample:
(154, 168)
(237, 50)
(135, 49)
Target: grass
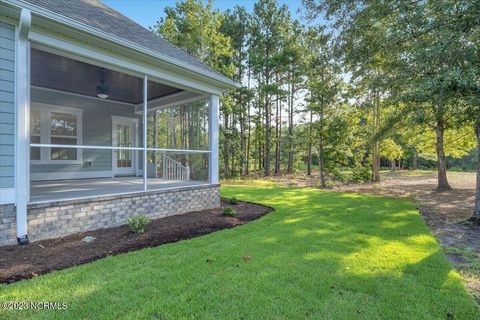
(467, 262)
(320, 255)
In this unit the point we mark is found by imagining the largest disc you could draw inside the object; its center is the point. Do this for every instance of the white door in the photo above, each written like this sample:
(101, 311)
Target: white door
(123, 135)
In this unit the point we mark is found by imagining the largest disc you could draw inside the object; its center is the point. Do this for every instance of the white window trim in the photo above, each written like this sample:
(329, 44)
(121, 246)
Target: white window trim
(45, 133)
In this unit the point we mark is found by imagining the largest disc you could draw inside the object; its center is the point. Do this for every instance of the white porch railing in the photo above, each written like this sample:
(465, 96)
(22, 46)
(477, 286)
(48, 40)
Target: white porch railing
(174, 170)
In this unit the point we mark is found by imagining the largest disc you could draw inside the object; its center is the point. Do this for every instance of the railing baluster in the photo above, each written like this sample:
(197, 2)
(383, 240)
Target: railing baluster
(174, 170)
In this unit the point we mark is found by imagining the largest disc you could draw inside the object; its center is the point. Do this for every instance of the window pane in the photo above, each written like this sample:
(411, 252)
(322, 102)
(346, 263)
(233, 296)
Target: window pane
(35, 122)
(62, 153)
(34, 151)
(63, 124)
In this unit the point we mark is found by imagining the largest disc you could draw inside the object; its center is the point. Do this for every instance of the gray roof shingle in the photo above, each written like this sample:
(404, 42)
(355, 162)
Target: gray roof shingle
(97, 15)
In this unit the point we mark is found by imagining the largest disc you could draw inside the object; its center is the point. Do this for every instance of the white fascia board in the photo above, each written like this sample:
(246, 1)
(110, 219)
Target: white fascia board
(223, 81)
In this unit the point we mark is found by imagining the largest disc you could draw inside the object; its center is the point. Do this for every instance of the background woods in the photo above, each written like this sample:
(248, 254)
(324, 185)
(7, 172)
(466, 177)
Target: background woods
(351, 88)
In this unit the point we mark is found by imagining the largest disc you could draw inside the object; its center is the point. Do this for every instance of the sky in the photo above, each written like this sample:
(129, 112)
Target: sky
(148, 12)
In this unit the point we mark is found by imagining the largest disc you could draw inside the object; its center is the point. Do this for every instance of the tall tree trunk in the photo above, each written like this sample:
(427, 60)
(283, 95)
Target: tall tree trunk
(249, 122)
(268, 130)
(277, 136)
(225, 146)
(242, 136)
(376, 163)
(476, 210)
(321, 160)
(376, 151)
(415, 161)
(290, 129)
(443, 184)
(309, 147)
(321, 168)
(233, 124)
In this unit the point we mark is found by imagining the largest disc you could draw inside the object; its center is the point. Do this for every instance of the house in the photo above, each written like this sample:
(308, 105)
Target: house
(99, 119)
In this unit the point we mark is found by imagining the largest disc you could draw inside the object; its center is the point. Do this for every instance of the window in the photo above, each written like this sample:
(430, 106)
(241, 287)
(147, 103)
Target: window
(63, 130)
(55, 125)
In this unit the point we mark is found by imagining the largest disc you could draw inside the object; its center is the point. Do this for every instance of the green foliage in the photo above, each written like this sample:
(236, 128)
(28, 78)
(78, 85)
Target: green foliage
(229, 211)
(234, 201)
(458, 142)
(370, 78)
(195, 26)
(390, 150)
(138, 223)
(361, 174)
(340, 175)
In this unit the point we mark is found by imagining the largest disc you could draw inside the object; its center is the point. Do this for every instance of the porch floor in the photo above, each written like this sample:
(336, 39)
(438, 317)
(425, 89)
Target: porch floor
(53, 190)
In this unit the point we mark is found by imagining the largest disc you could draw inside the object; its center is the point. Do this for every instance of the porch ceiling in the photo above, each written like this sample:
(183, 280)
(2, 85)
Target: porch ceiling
(61, 73)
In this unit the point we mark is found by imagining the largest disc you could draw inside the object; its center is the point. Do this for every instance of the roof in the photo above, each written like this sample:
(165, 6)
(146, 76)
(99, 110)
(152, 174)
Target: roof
(97, 15)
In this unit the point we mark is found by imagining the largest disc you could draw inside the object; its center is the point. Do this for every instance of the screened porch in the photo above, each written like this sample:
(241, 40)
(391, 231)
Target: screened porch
(97, 131)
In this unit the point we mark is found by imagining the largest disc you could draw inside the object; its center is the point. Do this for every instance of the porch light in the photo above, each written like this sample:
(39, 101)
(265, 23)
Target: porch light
(102, 90)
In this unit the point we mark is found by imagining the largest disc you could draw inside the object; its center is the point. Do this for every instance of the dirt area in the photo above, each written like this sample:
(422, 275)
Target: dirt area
(445, 213)
(22, 262)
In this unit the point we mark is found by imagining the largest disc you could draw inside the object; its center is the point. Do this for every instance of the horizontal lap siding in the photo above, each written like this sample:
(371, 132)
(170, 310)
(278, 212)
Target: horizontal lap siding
(7, 109)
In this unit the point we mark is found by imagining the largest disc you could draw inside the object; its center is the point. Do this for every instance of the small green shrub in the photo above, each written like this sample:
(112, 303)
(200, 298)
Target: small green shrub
(361, 174)
(329, 184)
(229, 211)
(340, 175)
(234, 201)
(137, 223)
(456, 169)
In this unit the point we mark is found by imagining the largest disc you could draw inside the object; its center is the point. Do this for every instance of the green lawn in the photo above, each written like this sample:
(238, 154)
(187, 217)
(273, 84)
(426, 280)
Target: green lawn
(320, 255)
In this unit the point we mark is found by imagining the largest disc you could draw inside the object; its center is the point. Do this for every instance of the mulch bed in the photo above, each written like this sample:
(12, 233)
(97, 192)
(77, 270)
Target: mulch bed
(24, 262)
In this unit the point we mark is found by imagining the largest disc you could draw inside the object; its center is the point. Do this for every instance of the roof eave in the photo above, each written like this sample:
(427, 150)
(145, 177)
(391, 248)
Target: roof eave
(222, 81)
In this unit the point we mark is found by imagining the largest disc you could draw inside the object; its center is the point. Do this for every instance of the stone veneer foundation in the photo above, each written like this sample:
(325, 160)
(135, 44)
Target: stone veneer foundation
(61, 218)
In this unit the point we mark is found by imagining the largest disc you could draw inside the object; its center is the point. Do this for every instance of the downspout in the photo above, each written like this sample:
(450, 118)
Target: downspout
(22, 106)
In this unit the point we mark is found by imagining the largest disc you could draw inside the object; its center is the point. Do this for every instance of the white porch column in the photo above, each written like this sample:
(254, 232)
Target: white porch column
(145, 131)
(22, 107)
(213, 138)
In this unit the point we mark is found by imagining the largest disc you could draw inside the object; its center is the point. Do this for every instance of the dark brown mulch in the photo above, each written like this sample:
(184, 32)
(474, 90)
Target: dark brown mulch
(23, 262)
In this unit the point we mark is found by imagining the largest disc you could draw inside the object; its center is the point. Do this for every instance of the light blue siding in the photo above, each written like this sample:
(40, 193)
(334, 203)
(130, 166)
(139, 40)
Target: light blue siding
(7, 109)
(6, 160)
(7, 54)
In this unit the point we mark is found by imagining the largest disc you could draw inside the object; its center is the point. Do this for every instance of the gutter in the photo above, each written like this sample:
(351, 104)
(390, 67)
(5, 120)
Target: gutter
(125, 43)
